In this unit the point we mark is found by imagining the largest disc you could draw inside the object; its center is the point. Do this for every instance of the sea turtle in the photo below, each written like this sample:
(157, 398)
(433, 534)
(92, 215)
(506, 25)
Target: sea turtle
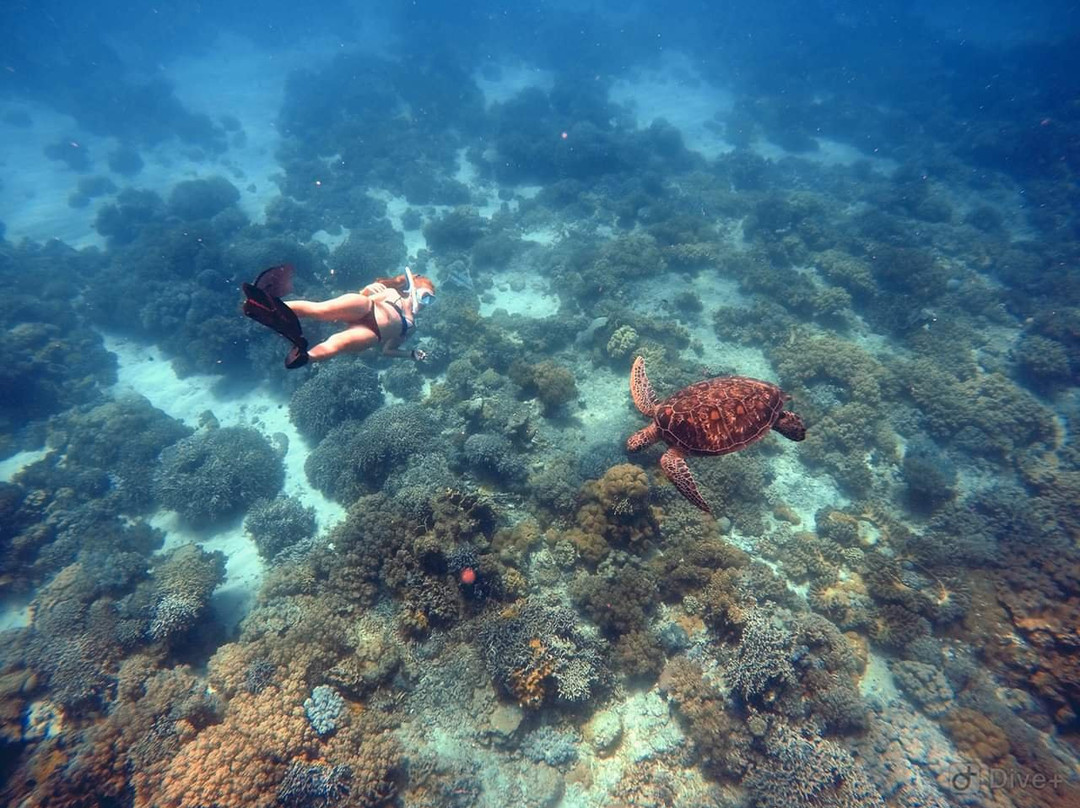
(713, 417)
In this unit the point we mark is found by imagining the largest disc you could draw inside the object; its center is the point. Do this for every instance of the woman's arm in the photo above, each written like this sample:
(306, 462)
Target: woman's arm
(390, 348)
(380, 293)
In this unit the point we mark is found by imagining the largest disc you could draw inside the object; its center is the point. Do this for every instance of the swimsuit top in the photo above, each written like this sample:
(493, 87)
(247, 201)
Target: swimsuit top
(372, 322)
(406, 326)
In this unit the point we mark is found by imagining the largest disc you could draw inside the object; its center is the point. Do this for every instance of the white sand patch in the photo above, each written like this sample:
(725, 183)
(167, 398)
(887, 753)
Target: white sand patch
(15, 614)
(11, 466)
(605, 394)
(800, 489)
(331, 241)
(143, 370)
(828, 153)
(502, 82)
(530, 298)
(545, 236)
(878, 680)
(678, 94)
(716, 292)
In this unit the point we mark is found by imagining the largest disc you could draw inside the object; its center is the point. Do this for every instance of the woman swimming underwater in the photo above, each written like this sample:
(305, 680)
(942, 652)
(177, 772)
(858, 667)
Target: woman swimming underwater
(383, 312)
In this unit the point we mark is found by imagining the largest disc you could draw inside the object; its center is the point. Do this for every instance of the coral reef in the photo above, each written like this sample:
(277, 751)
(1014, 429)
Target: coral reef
(356, 457)
(276, 525)
(217, 473)
(323, 709)
(539, 654)
(341, 391)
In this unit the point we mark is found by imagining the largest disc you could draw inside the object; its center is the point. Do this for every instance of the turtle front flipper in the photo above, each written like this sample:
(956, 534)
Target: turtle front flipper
(673, 462)
(641, 390)
(642, 438)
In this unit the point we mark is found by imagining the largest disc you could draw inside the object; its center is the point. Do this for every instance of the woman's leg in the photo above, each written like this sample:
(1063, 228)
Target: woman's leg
(344, 308)
(351, 340)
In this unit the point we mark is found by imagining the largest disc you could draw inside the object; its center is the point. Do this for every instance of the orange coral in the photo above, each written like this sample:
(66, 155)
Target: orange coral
(241, 761)
(976, 735)
(529, 684)
(617, 506)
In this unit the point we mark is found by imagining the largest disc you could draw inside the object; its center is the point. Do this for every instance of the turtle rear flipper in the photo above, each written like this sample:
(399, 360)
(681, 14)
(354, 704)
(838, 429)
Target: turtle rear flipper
(673, 462)
(641, 390)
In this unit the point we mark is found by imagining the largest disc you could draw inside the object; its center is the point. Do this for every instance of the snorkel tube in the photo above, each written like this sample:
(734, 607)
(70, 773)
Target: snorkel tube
(412, 288)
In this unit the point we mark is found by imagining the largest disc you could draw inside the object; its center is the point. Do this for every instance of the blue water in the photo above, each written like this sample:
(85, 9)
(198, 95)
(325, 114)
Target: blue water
(817, 262)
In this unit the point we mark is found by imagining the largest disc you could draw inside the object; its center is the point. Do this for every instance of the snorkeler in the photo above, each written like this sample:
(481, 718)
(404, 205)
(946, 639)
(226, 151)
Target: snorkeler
(382, 312)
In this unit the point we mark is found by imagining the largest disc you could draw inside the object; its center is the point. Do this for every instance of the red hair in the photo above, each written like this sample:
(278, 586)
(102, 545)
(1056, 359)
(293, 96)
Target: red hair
(401, 282)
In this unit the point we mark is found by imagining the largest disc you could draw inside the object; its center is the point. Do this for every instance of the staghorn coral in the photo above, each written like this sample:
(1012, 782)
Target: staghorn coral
(314, 785)
(183, 582)
(763, 659)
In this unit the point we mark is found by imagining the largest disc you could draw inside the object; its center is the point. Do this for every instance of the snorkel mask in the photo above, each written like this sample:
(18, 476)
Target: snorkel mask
(418, 297)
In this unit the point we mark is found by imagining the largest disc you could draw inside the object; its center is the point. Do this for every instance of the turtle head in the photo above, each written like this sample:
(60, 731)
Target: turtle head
(790, 425)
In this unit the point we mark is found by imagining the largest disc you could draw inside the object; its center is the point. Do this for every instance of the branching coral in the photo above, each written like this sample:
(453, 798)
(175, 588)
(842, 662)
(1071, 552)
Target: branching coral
(215, 473)
(764, 655)
(620, 603)
(278, 524)
(808, 772)
(183, 582)
(339, 391)
(720, 738)
(124, 437)
(539, 654)
(355, 457)
(494, 456)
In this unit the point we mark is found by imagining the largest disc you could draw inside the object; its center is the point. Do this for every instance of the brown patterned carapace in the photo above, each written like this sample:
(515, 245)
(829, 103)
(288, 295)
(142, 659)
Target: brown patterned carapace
(716, 416)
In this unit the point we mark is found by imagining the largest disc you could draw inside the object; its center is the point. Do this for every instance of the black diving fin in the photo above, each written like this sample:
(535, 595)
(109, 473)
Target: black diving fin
(263, 304)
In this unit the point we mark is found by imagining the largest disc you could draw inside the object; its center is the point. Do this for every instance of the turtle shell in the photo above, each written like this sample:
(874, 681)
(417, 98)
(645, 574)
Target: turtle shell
(720, 415)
